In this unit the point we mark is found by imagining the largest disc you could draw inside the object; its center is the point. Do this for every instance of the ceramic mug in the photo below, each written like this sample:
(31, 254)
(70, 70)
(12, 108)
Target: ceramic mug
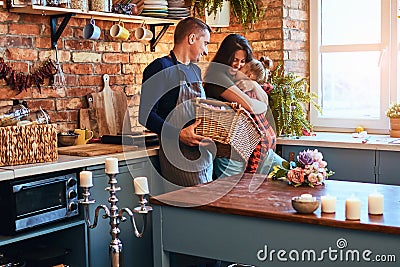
(91, 31)
(143, 34)
(118, 31)
(84, 135)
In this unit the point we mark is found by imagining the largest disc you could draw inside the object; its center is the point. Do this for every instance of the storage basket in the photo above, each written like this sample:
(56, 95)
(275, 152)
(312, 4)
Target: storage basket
(28, 144)
(227, 124)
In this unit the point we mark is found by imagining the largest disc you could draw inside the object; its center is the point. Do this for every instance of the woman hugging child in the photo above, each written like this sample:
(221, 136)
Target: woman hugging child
(263, 157)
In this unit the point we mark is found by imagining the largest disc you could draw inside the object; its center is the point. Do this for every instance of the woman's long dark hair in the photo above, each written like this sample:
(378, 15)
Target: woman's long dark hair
(231, 44)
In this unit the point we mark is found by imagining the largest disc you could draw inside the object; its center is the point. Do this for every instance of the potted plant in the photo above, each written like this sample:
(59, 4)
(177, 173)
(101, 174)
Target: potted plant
(287, 101)
(393, 113)
(246, 11)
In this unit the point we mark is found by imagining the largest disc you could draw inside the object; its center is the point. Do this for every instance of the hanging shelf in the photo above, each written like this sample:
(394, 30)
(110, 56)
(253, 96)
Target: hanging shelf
(66, 13)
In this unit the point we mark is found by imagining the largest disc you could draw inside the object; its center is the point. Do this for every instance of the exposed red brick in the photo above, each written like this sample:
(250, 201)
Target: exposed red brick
(107, 68)
(91, 80)
(21, 54)
(47, 104)
(78, 44)
(24, 29)
(114, 58)
(77, 68)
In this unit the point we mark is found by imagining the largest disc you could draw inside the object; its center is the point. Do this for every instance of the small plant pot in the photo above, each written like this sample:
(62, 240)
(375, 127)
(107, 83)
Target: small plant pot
(395, 127)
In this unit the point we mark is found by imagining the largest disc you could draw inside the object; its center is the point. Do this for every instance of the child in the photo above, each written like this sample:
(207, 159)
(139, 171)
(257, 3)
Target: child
(263, 157)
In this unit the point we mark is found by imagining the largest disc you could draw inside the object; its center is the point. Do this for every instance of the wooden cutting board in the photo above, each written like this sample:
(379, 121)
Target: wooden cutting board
(111, 110)
(94, 149)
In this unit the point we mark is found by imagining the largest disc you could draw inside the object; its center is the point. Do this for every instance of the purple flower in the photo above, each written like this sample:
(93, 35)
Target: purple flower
(305, 157)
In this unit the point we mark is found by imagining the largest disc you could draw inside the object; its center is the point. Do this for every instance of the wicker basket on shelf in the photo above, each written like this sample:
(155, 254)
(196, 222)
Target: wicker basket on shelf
(28, 144)
(229, 125)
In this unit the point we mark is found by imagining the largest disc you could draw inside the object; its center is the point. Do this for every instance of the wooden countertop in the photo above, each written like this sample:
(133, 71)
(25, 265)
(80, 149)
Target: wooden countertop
(343, 140)
(272, 200)
(66, 162)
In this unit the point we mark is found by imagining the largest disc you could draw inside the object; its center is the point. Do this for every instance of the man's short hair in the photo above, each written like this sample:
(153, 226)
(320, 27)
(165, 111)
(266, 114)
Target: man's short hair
(187, 26)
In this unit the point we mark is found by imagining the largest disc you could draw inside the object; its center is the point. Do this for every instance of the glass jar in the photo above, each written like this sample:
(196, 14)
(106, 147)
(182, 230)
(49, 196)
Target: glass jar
(79, 4)
(100, 5)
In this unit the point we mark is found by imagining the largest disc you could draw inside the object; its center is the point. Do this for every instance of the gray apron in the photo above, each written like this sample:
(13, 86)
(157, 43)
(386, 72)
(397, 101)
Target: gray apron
(182, 164)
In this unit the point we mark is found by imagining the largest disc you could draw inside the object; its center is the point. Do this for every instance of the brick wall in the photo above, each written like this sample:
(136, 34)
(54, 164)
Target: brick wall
(25, 43)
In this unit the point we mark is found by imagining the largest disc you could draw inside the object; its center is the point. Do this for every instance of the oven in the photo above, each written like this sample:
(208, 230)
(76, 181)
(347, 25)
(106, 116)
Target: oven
(38, 200)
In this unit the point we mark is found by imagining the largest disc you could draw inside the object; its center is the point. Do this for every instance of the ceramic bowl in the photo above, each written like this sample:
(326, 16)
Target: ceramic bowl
(305, 206)
(66, 139)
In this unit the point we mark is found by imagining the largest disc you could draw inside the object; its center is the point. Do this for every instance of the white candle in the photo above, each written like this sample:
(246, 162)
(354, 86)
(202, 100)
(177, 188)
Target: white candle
(85, 179)
(141, 186)
(112, 166)
(353, 208)
(328, 204)
(375, 203)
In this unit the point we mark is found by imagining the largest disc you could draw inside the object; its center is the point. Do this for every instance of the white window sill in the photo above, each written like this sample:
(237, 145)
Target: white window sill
(343, 140)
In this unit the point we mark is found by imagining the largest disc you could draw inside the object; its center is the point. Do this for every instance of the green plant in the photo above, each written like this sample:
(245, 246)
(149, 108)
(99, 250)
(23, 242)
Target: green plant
(393, 111)
(247, 11)
(287, 101)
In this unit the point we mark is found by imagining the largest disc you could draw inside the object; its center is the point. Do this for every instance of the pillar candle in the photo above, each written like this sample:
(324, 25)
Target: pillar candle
(375, 203)
(141, 186)
(328, 204)
(112, 166)
(353, 208)
(85, 179)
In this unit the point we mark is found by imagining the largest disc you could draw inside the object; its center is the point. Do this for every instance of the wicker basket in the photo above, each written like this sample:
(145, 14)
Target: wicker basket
(28, 144)
(228, 124)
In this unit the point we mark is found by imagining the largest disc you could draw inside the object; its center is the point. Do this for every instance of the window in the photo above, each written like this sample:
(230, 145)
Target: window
(353, 62)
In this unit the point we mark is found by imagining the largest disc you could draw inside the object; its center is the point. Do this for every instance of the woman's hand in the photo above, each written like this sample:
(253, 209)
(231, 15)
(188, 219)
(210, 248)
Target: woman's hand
(189, 137)
(246, 85)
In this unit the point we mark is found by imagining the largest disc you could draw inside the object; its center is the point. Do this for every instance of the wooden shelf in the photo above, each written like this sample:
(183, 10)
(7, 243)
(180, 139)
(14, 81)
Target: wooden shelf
(51, 11)
(66, 13)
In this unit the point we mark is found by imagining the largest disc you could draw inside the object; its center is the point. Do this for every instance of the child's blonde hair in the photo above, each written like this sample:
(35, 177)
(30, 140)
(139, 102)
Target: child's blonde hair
(258, 70)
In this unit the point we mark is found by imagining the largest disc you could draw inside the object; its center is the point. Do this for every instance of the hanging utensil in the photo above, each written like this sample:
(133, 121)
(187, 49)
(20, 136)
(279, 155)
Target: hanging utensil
(59, 78)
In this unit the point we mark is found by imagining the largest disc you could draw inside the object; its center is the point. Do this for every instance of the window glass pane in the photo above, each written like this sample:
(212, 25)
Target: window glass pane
(351, 22)
(351, 85)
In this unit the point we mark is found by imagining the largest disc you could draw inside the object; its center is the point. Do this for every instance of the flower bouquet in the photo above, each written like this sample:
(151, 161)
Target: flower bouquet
(309, 169)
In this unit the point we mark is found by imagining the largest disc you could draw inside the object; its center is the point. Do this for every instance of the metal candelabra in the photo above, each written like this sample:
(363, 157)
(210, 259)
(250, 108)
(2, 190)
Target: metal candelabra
(116, 216)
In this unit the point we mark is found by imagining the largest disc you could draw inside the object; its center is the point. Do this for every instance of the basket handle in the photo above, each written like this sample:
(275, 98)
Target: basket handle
(235, 106)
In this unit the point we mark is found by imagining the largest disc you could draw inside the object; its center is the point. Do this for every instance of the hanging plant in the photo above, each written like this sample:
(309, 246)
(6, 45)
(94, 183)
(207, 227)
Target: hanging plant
(288, 99)
(246, 11)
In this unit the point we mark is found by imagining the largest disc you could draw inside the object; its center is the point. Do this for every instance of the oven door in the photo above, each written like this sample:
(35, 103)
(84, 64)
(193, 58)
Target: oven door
(40, 201)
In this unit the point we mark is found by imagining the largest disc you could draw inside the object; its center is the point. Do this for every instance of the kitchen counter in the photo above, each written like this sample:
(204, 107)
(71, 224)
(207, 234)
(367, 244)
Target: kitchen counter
(249, 220)
(343, 140)
(65, 162)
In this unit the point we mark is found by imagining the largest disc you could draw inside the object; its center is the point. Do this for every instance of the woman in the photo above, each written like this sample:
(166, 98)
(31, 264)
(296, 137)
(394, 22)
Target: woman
(224, 82)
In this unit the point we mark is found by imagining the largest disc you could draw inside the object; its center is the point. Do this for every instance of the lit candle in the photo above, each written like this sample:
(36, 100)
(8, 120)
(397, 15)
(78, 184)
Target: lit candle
(328, 204)
(353, 208)
(112, 166)
(375, 203)
(85, 179)
(141, 186)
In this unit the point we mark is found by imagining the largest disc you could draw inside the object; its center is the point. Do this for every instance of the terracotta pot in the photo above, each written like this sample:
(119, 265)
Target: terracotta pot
(394, 127)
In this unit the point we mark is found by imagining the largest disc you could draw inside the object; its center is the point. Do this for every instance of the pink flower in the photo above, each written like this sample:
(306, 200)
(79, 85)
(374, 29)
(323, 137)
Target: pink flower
(296, 175)
(313, 178)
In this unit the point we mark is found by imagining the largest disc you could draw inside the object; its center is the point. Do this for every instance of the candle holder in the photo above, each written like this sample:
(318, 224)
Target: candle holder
(115, 215)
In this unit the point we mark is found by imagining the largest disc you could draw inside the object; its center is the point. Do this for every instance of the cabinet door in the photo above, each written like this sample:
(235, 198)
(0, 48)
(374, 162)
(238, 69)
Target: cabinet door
(348, 164)
(137, 251)
(388, 172)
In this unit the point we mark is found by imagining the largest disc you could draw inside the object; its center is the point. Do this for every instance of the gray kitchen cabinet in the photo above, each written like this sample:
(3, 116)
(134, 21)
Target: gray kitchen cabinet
(136, 251)
(388, 170)
(64, 240)
(348, 164)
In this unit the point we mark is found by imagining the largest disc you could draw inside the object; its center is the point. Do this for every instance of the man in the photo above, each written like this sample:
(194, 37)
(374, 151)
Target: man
(169, 85)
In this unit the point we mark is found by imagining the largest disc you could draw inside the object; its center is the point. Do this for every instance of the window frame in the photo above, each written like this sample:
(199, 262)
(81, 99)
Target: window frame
(388, 49)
